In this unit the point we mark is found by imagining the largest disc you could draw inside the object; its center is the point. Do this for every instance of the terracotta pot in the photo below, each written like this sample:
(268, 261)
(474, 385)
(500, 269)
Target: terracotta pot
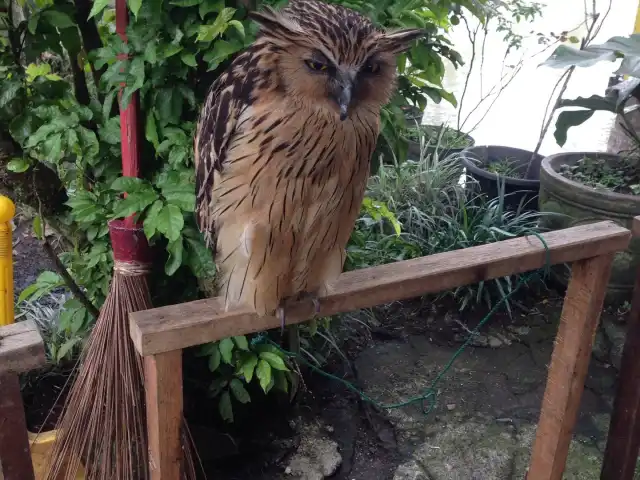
(580, 204)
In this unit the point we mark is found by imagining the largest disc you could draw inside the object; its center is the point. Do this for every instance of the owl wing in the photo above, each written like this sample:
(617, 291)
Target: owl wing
(216, 129)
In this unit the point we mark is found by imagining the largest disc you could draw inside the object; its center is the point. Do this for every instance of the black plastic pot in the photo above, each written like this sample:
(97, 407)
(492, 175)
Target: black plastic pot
(413, 151)
(519, 191)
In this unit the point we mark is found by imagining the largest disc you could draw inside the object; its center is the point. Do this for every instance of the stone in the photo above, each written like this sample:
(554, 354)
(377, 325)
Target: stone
(317, 456)
(410, 471)
(466, 450)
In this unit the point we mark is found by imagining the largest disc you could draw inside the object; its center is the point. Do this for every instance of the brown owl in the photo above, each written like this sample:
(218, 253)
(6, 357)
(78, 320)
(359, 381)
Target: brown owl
(283, 146)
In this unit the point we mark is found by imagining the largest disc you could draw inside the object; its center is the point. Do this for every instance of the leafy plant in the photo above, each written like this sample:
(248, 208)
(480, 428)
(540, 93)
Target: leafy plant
(236, 363)
(60, 321)
(437, 215)
(602, 174)
(506, 167)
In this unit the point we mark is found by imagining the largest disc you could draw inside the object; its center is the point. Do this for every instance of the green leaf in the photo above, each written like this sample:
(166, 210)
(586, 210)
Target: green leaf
(185, 200)
(565, 56)
(248, 366)
(225, 408)
(175, 249)
(18, 165)
(263, 372)
(170, 222)
(98, 7)
(239, 391)
(207, 33)
(151, 130)
(568, 119)
(208, 6)
(58, 19)
(151, 53)
(241, 342)
(280, 381)
(226, 349)
(189, 59)
(274, 360)
(136, 202)
(134, 6)
(37, 227)
(66, 348)
(238, 26)
(129, 185)
(185, 3)
(151, 219)
(214, 359)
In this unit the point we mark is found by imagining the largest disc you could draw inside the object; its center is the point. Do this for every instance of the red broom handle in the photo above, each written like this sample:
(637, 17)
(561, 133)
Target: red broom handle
(129, 131)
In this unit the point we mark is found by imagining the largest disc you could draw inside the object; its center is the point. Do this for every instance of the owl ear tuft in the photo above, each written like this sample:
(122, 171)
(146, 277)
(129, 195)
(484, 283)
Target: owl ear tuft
(275, 24)
(400, 40)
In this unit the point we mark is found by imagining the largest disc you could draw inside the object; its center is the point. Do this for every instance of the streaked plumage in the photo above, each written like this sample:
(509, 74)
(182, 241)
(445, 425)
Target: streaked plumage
(283, 146)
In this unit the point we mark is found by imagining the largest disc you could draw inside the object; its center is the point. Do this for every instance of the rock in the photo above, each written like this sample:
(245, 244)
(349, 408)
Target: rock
(467, 450)
(410, 471)
(317, 456)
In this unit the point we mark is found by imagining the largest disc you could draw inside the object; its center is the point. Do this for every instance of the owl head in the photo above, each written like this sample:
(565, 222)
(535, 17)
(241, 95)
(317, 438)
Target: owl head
(332, 58)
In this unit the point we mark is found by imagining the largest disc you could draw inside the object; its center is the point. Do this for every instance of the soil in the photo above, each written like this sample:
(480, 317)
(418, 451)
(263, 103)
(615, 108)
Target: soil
(598, 173)
(495, 387)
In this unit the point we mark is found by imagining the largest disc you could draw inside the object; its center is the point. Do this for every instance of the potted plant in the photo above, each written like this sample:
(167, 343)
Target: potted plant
(515, 170)
(594, 186)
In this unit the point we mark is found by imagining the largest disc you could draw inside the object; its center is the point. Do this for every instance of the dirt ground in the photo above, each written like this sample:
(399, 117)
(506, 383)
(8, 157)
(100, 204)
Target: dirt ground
(480, 426)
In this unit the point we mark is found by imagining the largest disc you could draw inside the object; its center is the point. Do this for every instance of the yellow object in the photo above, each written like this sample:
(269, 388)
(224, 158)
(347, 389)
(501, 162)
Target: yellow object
(41, 445)
(7, 312)
(636, 28)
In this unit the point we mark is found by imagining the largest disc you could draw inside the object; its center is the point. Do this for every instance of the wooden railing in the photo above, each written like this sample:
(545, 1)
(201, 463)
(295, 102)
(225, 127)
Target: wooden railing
(160, 334)
(21, 350)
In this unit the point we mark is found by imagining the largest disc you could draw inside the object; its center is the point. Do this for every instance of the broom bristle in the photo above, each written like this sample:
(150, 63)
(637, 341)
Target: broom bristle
(103, 425)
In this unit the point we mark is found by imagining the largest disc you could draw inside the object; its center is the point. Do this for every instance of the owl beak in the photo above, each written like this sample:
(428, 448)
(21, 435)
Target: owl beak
(344, 99)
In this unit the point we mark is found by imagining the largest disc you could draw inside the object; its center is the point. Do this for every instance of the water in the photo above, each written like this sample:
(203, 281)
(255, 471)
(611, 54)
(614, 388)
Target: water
(516, 117)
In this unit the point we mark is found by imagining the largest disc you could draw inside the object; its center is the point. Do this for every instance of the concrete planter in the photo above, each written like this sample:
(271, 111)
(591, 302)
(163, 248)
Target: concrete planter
(580, 204)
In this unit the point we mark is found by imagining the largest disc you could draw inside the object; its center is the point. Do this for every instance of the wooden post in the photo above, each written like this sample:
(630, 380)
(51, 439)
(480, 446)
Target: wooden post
(623, 440)
(163, 385)
(15, 455)
(21, 350)
(569, 364)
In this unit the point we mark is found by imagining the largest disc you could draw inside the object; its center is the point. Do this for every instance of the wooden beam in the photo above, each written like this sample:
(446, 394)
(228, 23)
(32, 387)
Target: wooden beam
(184, 325)
(15, 455)
(569, 364)
(623, 440)
(163, 386)
(21, 348)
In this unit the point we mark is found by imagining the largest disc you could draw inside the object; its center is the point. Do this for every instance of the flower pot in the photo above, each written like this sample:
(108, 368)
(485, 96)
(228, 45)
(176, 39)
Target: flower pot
(580, 204)
(444, 150)
(520, 191)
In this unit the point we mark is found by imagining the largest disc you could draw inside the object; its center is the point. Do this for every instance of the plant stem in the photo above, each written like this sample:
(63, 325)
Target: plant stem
(567, 77)
(70, 282)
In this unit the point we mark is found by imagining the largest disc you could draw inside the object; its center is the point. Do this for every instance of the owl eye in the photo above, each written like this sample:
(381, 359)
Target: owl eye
(371, 67)
(317, 66)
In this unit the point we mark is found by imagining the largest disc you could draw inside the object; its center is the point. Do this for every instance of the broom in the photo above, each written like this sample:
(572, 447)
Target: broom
(104, 421)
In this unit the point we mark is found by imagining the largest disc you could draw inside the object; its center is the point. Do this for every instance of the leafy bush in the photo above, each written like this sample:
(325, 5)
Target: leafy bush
(438, 214)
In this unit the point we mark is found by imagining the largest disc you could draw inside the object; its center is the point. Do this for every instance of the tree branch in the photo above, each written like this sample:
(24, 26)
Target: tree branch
(68, 280)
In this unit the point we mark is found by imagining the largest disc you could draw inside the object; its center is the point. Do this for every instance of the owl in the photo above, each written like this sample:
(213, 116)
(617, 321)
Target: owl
(282, 150)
